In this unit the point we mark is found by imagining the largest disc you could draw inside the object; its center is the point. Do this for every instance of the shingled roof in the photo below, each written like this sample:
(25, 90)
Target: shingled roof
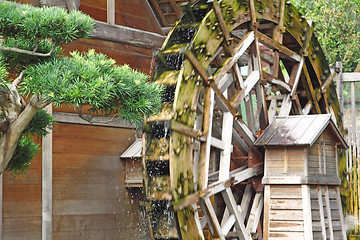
(298, 130)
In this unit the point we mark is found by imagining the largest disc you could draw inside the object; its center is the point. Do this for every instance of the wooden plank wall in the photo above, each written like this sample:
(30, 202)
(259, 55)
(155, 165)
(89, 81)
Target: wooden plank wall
(285, 211)
(130, 13)
(22, 204)
(135, 57)
(320, 213)
(90, 200)
(285, 161)
(324, 145)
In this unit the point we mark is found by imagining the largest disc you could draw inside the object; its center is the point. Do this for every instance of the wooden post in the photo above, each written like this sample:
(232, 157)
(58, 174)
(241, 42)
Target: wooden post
(353, 114)
(308, 233)
(339, 85)
(205, 146)
(328, 210)
(47, 183)
(321, 212)
(111, 12)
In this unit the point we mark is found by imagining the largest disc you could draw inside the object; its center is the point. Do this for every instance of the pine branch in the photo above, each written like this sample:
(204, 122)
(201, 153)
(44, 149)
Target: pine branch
(18, 79)
(89, 118)
(32, 53)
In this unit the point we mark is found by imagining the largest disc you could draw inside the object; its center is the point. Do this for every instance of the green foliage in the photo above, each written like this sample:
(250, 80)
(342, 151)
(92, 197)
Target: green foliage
(31, 40)
(24, 153)
(93, 79)
(40, 124)
(32, 23)
(337, 25)
(26, 147)
(16, 62)
(3, 74)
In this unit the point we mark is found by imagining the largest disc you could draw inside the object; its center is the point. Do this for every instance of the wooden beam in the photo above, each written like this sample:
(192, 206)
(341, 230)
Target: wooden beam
(211, 218)
(277, 81)
(239, 51)
(225, 154)
(327, 82)
(111, 12)
(274, 45)
(245, 132)
(159, 12)
(311, 89)
(152, 17)
(207, 119)
(350, 77)
(321, 212)
(74, 118)
(47, 183)
(255, 213)
(267, 199)
(236, 177)
(241, 230)
(308, 231)
(295, 78)
(328, 210)
(127, 35)
(249, 84)
(308, 37)
(339, 207)
(176, 9)
(221, 21)
(286, 105)
(184, 129)
(211, 82)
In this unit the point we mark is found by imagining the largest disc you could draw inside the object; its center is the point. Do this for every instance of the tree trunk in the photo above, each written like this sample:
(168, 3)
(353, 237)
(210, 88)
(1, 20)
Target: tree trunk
(11, 137)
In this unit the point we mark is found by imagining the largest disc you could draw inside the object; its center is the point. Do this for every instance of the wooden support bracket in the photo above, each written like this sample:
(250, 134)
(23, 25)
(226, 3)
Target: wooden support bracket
(274, 45)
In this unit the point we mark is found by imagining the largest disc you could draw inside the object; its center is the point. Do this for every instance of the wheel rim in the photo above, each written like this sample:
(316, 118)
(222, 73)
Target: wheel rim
(200, 61)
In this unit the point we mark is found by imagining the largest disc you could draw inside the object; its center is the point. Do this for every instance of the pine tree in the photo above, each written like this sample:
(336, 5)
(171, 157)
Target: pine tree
(34, 73)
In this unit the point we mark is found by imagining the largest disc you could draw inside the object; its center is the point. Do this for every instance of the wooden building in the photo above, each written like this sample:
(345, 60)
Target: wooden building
(302, 199)
(76, 188)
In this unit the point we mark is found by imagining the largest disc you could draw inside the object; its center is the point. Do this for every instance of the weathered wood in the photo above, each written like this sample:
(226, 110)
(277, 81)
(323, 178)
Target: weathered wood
(295, 78)
(245, 132)
(181, 128)
(249, 84)
(283, 51)
(342, 223)
(285, 106)
(47, 183)
(321, 211)
(207, 119)
(308, 230)
(328, 211)
(267, 197)
(159, 12)
(211, 218)
(152, 17)
(241, 230)
(111, 12)
(274, 80)
(226, 137)
(127, 35)
(239, 51)
(236, 177)
(350, 77)
(328, 81)
(255, 213)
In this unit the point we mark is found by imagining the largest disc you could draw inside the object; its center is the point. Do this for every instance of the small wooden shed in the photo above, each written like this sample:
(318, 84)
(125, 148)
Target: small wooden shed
(302, 199)
(132, 159)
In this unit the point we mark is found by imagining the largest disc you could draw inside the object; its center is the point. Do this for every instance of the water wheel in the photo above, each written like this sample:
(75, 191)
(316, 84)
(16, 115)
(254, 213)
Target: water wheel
(229, 67)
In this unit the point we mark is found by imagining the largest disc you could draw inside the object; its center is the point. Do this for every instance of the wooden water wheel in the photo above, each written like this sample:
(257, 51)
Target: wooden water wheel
(229, 67)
